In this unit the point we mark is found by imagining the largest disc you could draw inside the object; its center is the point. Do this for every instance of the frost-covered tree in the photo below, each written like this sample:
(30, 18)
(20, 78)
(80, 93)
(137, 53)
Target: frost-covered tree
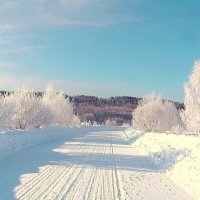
(191, 114)
(6, 110)
(41, 115)
(76, 121)
(154, 114)
(28, 110)
(60, 107)
(110, 122)
(23, 109)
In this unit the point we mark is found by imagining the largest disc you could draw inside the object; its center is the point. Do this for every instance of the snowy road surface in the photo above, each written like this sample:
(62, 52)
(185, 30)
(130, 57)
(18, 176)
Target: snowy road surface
(95, 164)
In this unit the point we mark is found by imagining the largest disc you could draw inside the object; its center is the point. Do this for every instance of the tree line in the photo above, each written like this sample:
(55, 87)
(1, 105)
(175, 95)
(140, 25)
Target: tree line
(23, 108)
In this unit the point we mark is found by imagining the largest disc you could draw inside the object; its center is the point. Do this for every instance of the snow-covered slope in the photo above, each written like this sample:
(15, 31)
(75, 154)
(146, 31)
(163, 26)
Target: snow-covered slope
(13, 141)
(176, 155)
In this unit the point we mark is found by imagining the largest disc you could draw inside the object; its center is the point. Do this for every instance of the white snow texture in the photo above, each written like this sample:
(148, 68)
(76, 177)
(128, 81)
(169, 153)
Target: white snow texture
(176, 155)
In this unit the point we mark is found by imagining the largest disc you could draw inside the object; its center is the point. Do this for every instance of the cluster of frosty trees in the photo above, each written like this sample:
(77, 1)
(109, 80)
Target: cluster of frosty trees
(22, 109)
(155, 114)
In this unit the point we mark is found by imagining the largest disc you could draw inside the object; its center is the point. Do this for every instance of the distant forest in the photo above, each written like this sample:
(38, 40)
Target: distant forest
(111, 111)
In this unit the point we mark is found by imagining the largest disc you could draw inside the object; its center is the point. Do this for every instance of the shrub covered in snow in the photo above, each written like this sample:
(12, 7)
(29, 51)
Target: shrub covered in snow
(191, 114)
(154, 114)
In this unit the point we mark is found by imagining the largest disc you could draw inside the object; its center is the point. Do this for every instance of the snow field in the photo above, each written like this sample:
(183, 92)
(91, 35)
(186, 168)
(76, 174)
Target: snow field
(176, 155)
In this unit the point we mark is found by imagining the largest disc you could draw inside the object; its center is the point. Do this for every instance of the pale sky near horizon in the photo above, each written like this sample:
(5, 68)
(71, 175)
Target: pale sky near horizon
(99, 47)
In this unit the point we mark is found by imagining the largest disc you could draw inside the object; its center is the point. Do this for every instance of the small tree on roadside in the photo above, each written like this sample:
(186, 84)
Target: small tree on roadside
(155, 114)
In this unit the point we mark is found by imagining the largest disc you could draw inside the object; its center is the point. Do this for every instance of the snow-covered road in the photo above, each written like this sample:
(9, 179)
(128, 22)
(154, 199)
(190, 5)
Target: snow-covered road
(95, 164)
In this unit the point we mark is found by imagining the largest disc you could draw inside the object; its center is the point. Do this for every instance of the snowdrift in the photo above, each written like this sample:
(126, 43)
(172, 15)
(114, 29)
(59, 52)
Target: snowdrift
(176, 155)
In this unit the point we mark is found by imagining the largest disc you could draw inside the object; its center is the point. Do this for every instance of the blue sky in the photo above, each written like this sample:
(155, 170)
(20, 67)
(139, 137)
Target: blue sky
(99, 47)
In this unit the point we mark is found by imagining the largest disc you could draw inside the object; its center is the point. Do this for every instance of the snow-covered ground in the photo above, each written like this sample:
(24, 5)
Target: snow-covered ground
(84, 163)
(178, 156)
(16, 140)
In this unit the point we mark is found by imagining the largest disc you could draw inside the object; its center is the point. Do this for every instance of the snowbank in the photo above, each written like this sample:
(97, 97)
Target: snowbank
(176, 155)
(13, 141)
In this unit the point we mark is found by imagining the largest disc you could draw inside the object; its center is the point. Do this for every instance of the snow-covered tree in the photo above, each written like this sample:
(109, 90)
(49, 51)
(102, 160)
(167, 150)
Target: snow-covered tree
(155, 114)
(6, 110)
(76, 121)
(110, 122)
(41, 115)
(61, 108)
(23, 109)
(28, 110)
(191, 114)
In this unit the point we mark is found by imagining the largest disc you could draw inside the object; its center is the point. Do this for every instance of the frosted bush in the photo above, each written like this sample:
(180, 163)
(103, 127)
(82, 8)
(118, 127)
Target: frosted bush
(28, 110)
(154, 114)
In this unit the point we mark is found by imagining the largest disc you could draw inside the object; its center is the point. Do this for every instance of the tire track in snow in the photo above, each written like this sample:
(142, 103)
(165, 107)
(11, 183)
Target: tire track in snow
(25, 191)
(118, 189)
(77, 178)
(36, 179)
(79, 183)
(66, 170)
